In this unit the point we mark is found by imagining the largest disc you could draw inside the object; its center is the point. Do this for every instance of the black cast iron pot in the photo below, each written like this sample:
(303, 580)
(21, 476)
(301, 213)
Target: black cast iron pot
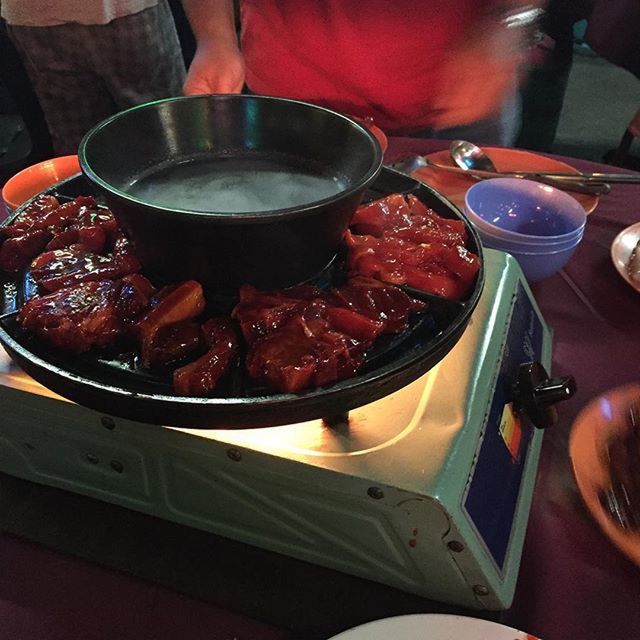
(232, 189)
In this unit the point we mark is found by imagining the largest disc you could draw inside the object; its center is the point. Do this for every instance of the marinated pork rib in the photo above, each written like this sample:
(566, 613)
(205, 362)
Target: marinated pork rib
(404, 242)
(16, 252)
(408, 218)
(199, 378)
(36, 211)
(304, 337)
(59, 268)
(433, 268)
(308, 351)
(96, 229)
(262, 312)
(378, 301)
(172, 343)
(46, 224)
(90, 314)
(160, 339)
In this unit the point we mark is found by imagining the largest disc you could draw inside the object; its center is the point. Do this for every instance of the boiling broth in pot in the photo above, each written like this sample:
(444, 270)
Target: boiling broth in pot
(236, 184)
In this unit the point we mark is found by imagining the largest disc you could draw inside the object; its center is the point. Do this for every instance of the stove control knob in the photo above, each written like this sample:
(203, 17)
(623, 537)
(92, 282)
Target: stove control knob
(535, 394)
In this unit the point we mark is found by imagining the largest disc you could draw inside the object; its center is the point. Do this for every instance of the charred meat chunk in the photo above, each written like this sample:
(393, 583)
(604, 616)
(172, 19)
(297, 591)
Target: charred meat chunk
(16, 252)
(171, 343)
(177, 304)
(46, 224)
(315, 347)
(434, 268)
(59, 268)
(86, 315)
(261, 312)
(399, 240)
(378, 301)
(200, 377)
(304, 337)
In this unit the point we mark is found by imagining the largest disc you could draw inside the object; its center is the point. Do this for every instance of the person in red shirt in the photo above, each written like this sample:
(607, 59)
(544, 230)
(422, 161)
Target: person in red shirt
(417, 68)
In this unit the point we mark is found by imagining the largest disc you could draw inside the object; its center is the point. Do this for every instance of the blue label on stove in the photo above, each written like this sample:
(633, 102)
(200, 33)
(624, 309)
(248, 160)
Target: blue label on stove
(492, 493)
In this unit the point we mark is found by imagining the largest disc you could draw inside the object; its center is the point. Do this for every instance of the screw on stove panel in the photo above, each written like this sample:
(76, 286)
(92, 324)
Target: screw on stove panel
(480, 590)
(108, 423)
(455, 546)
(375, 492)
(234, 454)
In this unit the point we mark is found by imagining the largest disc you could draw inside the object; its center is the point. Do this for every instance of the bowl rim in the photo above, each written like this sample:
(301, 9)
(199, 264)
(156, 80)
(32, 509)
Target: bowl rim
(541, 242)
(516, 235)
(220, 217)
(514, 251)
(36, 169)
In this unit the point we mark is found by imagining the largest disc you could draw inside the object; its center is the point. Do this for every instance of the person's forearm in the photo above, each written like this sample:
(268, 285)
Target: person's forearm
(212, 21)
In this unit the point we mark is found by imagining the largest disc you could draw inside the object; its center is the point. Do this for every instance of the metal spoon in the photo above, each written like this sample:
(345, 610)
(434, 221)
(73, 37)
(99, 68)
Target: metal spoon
(469, 156)
(414, 162)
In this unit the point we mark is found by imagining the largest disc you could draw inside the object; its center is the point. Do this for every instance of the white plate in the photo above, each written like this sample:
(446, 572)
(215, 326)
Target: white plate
(432, 627)
(621, 249)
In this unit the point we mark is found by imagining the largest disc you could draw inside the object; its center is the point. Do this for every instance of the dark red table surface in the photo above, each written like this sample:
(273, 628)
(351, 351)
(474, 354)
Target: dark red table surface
(573, 582)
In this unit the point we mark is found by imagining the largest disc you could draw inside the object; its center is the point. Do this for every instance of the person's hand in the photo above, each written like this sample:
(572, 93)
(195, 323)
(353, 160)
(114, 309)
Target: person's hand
(215, 69)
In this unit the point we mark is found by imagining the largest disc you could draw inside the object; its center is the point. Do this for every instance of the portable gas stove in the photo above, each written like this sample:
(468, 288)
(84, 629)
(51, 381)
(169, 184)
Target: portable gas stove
(427, 490)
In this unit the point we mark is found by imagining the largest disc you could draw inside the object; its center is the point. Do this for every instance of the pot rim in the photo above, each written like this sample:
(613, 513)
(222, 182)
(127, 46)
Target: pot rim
(222, 217)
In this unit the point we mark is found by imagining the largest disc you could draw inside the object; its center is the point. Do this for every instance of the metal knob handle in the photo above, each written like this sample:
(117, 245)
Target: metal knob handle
(536, 394)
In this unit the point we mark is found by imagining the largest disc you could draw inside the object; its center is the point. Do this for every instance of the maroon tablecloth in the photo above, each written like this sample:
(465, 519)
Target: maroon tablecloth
(573, 582)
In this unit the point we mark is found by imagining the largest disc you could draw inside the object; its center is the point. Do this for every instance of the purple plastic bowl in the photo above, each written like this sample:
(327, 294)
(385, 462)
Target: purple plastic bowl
(508, 244)
(524, 211)
(536, 265)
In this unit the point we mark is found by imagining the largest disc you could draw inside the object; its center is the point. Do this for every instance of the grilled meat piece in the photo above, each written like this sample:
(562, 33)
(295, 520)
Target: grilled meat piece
(59, 268)
(399, 240)
(86, 315)
(172, 343)
(378, 301)
(434, 268)
(199, 378)
(47, 224)
(177, 304)
(406, 217)
(304, 337)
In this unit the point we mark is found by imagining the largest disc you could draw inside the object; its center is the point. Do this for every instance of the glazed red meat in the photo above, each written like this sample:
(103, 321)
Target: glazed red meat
(184, 301)
(94, 228)
(438, 269)
(171, 343)
(408, 218)
(379, 301)
(38, 209)
(309, 350)
(303, 337)
(53, 270)
(176, 304)
(63, 215)
(261, 312)
(16, 252)
(90, 314)
(199, 378)
(47, 224)
(400, 240)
